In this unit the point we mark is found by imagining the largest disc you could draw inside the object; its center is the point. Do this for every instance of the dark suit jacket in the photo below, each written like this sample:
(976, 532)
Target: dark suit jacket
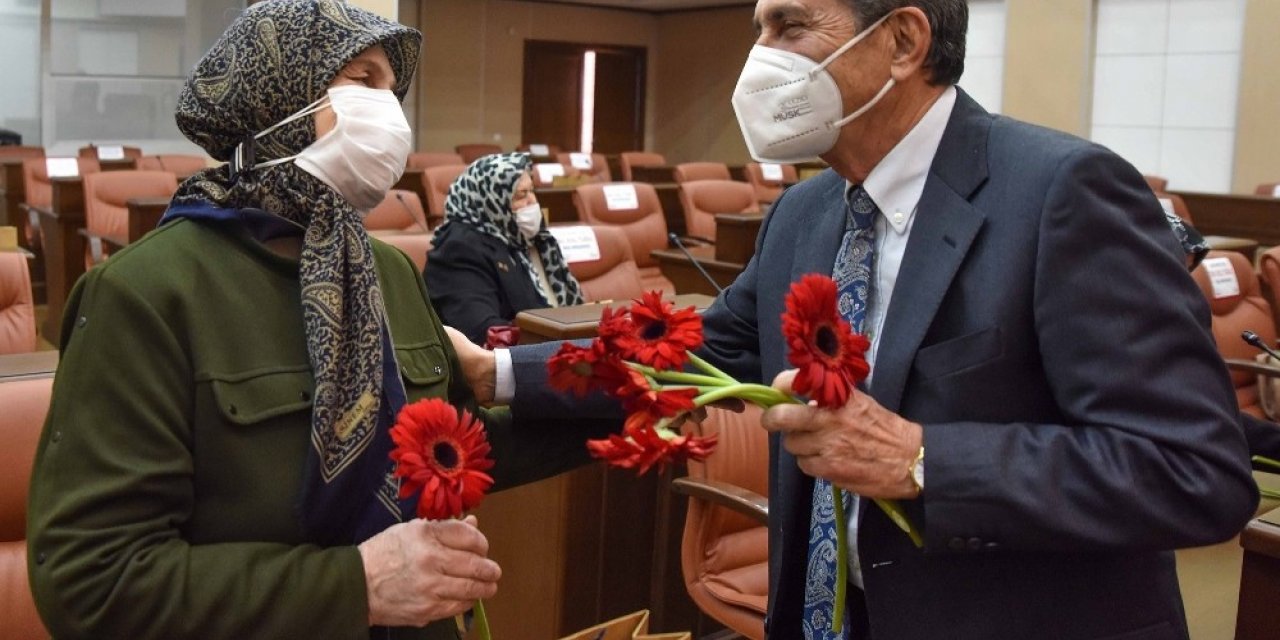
(1078, 421)
(476, 282)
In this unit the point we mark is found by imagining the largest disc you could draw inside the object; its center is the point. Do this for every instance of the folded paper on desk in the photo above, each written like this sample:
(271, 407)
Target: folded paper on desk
(633, 626)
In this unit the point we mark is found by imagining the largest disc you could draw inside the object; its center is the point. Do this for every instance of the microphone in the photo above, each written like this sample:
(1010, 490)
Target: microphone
(400, 199)
(675, 239)
(1253, 339)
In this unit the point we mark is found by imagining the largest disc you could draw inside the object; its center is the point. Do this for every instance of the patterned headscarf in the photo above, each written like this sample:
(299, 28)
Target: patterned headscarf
(481, 199)
(278, 57)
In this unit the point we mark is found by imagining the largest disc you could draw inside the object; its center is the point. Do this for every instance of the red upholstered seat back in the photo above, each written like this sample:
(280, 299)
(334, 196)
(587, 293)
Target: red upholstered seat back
(1235, 313)
(644, 225)
(615, 275)
(599, 170)
(703, 199)
(768, 190)
(690, 171)
(400, 210)
(26, 403)
(471, 152)
(17, 311)
(436, 181)
(107, 194)
(428, 159)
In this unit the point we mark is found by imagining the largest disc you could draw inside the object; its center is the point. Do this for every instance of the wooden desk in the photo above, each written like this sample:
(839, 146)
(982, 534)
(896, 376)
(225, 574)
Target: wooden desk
(579, 321)
(1259, 617)
(590, 544)
(21, 366)
(411, 180)
(672, 207)
(558, 201)
(736, 236)
(1253, 217)
(123, 164)
(144, 216)
(64, 248)
(681, 272)
(653, 175)
(13, 192)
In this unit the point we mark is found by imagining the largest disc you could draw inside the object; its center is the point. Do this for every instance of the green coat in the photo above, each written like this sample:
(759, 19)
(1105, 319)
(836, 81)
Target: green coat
(166, 481)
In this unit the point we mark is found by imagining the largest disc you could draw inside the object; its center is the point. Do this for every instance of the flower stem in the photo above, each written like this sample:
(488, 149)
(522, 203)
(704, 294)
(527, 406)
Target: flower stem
(1269, 462)
(481, 622)
(678, 376)
(710, 369)
(757, 393)
(842, 560)
(894, 510)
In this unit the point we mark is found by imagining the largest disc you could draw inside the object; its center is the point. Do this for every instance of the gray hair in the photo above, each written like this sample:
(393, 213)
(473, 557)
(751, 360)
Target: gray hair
(949, 20)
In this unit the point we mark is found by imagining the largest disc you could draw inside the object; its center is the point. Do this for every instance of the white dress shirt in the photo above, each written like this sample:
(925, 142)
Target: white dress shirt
(895, 185)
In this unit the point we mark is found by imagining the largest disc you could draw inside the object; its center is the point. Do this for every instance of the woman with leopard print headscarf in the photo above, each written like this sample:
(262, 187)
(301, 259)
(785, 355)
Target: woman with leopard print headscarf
(494, 257)
(215, 462)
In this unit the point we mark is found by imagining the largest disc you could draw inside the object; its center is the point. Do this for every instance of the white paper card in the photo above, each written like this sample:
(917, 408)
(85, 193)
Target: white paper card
(1167, 205)
(547, 172)
(62, 167)
(539, 150)
(771, 171)
(1276, 192)
(580, 160)
(111, 152)
(1222, 276)
(577, 243)
(621, 197)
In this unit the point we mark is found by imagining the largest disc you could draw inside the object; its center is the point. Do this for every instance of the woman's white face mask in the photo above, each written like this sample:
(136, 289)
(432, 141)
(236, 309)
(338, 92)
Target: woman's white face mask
(789, 107)
(364, 155)
(529, 219)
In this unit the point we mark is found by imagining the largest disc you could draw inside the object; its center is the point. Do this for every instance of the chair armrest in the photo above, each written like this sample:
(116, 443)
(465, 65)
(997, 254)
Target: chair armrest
(1271, 371)
(734, 498)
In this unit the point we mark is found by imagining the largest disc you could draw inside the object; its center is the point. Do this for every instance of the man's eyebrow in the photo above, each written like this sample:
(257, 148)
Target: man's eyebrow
(790, 11)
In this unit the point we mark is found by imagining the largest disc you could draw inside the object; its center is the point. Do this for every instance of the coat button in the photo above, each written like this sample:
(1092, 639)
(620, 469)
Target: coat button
(40, 558)
(956, 544)
(991, 546)
(56, 437)
(975, 544)
(231, 409)
(439, 370)
(82, 321)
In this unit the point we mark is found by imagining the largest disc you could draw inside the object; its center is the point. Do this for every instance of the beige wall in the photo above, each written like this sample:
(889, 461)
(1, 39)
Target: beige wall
(1258, 116)
(386, 8)
(470, 86)
(700, 54)
(1048, 63)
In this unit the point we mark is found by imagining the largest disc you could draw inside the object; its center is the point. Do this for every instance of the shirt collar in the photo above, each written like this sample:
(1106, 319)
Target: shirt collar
(897, 182)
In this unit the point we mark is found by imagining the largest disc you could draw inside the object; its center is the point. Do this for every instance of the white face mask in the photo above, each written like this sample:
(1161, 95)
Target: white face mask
(364, 154)
(529, 219)
(789, 107)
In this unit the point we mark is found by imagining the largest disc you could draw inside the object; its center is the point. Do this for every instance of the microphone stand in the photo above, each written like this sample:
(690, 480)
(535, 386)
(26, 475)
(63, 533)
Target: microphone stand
(675, 239)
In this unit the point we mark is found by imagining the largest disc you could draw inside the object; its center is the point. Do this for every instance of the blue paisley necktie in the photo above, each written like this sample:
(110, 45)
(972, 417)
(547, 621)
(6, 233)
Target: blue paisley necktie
(852, 273)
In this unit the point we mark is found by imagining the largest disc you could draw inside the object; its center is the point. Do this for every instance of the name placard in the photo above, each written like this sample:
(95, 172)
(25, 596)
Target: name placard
(771, 171)
(539, 149)
(548, 171)
(1222, 277)
(578, 243)
(111, 152)
(580, 160)
(621, 197)
(61, 167)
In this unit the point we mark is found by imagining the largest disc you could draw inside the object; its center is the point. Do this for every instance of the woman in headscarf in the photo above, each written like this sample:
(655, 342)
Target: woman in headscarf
(493, 257)
(216, 459)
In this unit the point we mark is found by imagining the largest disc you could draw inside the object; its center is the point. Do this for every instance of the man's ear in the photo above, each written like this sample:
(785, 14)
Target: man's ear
(912, 37)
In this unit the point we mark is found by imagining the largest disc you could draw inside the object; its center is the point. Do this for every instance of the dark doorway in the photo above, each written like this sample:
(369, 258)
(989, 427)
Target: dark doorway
(555, 82)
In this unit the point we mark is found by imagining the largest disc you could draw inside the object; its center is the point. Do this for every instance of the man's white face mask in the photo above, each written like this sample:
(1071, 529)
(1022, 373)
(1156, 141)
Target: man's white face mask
(789, 106)
(364, 155)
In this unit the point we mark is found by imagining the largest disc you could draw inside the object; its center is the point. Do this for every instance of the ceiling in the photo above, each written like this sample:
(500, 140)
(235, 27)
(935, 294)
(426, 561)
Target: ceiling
(657, 6)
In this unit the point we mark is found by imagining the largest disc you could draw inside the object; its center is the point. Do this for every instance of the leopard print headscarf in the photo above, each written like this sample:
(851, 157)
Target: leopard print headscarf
(481, 199)
(276, 58)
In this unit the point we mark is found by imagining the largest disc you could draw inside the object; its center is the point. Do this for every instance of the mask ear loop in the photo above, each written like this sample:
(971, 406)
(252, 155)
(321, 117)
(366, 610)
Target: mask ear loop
(848, 45)
(243, 158)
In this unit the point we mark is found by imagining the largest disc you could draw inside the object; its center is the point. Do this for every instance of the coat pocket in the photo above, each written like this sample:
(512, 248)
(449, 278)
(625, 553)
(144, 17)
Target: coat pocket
(957, 354)
(425, 369)
(254, 396)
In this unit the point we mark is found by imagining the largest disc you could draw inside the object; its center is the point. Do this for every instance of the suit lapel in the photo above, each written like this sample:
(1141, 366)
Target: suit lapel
(944, 228)
(816, 250)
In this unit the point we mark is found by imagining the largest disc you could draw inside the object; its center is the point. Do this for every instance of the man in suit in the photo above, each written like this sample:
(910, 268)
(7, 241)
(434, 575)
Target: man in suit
(1037, 346)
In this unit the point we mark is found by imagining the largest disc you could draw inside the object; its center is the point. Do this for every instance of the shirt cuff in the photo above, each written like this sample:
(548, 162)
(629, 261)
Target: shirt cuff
(504, 386)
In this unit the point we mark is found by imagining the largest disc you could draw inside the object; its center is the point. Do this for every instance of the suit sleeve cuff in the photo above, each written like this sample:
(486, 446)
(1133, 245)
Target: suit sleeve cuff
(504, 388)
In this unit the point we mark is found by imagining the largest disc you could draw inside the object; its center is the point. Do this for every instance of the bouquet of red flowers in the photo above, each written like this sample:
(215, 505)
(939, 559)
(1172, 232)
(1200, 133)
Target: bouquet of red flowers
(442, 453)
(640, 359)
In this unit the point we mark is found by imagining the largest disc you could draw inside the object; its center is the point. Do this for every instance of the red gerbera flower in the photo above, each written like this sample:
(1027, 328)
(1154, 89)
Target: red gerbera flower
(645, 448)
(831, 359)
(662, 337)
(444, 455)
(581, 369)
